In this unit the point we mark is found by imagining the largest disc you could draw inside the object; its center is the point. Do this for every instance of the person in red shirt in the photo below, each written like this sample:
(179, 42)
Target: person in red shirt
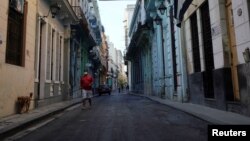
(86, 86)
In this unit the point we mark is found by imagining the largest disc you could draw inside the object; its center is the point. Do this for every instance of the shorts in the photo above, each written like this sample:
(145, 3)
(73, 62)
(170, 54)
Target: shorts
(87, 93)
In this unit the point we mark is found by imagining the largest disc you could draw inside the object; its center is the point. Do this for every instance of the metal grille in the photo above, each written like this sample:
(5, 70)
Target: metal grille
(195, 43)
(208, 52)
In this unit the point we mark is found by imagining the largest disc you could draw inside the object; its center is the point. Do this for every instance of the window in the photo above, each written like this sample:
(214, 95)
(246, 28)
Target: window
(48, 53)
(38, 50)
(208, 52)
(195, 43)
(58, 49)
(61, 59)
(52, 55)
(16, 32)
(207, 37)
(58, 61)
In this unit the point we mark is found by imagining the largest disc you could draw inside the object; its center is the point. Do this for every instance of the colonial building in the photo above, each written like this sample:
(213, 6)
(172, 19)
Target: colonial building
(45, 46)
(215, 38)
(241, 63)
(157, 65)
(112, 65)
(104, 59)
(205, 61)
(17, 42)
(127, 22)
(53, 51)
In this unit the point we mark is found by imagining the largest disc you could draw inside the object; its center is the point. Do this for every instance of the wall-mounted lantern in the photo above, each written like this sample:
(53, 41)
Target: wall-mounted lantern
(54, 8)
(246, 55)
(158, 19)
(162, 8)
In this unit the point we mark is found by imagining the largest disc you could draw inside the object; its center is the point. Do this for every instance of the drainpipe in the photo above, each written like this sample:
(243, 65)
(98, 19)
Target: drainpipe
(163, 60)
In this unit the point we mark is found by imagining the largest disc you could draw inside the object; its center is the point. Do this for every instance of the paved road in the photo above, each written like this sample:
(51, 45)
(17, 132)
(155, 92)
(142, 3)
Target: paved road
(122, 117)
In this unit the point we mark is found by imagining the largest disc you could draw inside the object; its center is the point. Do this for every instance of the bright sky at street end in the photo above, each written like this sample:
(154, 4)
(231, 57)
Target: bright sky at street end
(112, 17)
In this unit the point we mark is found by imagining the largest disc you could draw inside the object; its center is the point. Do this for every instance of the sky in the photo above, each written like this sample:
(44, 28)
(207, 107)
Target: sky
(112, 17)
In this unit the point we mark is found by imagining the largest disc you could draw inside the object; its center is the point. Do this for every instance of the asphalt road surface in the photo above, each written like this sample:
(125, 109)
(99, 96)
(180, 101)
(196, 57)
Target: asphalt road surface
(121, 117)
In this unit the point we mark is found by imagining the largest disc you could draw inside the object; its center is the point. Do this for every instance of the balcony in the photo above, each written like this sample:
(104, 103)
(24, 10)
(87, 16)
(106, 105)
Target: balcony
(79, 13)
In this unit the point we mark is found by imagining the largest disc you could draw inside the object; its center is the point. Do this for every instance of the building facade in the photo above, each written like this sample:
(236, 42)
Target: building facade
(127, 22)
(54, 52)
(213, 37)
(241, 13)
(156, 59)
(17, 31)
(45, 46)
(204, 62)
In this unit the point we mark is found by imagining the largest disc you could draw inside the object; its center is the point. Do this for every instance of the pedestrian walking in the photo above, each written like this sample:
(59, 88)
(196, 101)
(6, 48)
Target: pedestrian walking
(86, 88)
(127, 87)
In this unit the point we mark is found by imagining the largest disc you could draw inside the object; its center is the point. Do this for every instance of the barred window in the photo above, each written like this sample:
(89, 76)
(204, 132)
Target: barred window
(16, 32)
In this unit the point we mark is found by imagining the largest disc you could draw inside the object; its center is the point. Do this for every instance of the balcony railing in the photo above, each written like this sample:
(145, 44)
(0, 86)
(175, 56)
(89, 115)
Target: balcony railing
(79, 12)
(80, 15)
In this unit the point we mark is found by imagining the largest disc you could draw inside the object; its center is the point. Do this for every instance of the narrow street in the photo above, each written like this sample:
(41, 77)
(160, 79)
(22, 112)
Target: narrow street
(122, 117)
(183, 67)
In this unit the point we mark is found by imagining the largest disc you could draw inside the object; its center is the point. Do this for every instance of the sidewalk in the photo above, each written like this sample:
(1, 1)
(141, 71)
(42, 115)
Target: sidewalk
(211, 115)
(16, 122)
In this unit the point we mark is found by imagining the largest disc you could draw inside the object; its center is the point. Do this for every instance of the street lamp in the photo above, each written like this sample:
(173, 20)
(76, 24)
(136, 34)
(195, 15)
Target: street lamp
(54, 8)
(246, 55)
(162, 8)
(158, 19)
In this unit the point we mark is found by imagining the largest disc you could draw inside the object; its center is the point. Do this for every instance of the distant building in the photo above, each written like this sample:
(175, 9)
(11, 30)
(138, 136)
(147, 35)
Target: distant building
(127, 21)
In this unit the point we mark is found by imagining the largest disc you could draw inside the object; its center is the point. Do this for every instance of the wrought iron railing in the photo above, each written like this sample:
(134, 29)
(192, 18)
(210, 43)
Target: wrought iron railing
(79, 12)
(81, 16)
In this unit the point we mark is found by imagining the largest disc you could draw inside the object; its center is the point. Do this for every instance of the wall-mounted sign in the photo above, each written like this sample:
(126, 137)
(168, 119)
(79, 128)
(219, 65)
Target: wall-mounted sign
(215, 30)
(239, 12)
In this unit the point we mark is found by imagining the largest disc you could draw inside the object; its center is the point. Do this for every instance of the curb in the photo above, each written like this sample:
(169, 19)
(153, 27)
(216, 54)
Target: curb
(187, 112)
(204, 113)
(18, 127)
